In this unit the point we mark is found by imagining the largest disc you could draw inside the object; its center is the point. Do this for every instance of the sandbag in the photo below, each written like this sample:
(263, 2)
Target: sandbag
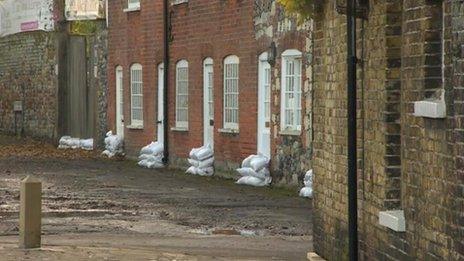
(192, 170)
(113, 145)
(151, 163)
(153, 148)
(252, 181)
(202, 153)
(308, 179)
(205, 171)
(86, 144)
(246, 163)
(306, 192)
(193, 152)
(67, 142)
(202, 163)
(262, 174)
(259, 162)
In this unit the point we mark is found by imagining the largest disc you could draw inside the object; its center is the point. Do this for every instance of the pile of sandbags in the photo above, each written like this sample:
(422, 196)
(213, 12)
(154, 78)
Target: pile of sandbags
(255, 171)
(151, 156)
(113, 145)
(307, 191)
(67, 142)
(201, 161)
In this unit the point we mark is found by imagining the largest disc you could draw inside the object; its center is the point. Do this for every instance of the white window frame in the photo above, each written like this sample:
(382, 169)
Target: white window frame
(133, 4)
(231, 97)
(291, 55)
(182, 65)
(136, 122)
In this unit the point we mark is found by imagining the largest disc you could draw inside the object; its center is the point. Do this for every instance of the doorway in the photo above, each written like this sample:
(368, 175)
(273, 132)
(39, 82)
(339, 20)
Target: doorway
(160, 119)
(264, 106)
(208, 102)
(119, 102)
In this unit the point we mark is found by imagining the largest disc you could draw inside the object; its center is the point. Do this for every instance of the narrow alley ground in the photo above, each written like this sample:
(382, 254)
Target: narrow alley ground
(99, 209)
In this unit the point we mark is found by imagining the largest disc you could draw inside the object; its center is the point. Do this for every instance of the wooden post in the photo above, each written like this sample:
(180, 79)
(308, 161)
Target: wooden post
(30, 216)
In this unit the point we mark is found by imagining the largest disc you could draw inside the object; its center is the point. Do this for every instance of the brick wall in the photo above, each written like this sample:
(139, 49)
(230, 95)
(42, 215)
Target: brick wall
(210, 29)
(135, 37)
(406, 162)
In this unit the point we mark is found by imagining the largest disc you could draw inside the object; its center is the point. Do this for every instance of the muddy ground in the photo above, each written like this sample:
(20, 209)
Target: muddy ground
(95, 208)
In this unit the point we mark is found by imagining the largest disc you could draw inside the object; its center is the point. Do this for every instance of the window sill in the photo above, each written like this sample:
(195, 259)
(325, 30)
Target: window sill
(135, 127)
(290, 133)
(435, 109)
(131, 9)
(230, 131)
(179, 129)
(394, 220)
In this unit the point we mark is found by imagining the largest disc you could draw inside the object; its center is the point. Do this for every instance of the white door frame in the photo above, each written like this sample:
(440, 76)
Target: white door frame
(264, 132)
(208, 123)
(119, 101)
(160, 118)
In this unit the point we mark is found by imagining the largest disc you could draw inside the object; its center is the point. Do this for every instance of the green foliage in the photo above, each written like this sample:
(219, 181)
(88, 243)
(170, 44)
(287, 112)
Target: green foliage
(303, 8)
(83, 27)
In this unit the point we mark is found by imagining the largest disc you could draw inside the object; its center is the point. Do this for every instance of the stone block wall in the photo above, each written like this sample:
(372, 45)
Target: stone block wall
(291, 154)
(28, 74)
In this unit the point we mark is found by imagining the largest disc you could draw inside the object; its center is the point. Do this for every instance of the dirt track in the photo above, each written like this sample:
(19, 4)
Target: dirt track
(88, 196)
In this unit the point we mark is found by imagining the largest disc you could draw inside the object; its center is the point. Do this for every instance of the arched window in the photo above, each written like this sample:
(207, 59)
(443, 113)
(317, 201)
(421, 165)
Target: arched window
(136, 95)
(182, 78)
(291, 91)
(231, 91)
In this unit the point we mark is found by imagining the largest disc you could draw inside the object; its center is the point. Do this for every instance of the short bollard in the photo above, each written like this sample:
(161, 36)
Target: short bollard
(30, 216)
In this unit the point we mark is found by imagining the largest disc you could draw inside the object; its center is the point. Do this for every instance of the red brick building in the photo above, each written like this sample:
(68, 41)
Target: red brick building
(225, 79)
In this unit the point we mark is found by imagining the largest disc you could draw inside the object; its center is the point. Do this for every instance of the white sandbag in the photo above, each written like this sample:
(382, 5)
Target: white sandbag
(262, 174)
(193, 163)
(201, 161)
(154, 148)
(113, 145)
(73, 143)
(209, 162)
(193, 152)
(86, 144)
(308, 179)
(252, 181)
(246, 163)
(306, 192)
(205, 171)
(203, 153)
(64, 140)
(259, 162)
(67, 142)
(192, 170)
(113, 142)
(151, 163)
(148, 158)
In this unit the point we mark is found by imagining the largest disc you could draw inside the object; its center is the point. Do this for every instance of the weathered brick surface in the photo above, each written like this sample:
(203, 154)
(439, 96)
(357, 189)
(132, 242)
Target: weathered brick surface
(202, 29)
(405, 161)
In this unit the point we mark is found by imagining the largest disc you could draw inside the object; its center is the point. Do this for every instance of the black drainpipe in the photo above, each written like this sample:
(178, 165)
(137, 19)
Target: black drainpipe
(166, 81)
(352, 146)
